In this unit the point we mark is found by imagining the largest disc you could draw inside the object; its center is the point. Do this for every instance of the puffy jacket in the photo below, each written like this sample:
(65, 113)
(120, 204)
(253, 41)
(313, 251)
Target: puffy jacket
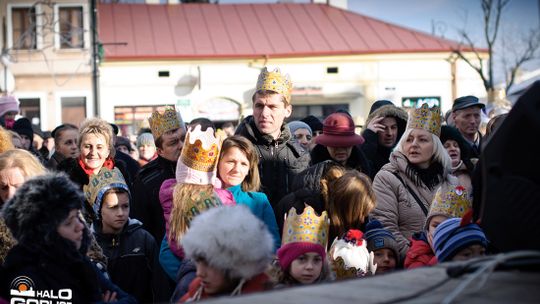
(280, 160)
(420, 253)
(133, 262)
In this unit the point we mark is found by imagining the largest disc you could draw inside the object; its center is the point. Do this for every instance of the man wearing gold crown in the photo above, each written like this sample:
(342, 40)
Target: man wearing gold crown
(280, 157)
(168, 130)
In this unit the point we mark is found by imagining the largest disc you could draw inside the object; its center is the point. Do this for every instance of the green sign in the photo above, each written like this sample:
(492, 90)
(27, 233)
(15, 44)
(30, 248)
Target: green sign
(183, 102)
(416, 102)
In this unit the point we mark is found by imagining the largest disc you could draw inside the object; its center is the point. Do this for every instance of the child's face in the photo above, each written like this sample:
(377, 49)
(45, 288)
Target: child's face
(385, 260)
(433, 223)
(470, 252)
(213, 280)
(307, 268)
(114, 212)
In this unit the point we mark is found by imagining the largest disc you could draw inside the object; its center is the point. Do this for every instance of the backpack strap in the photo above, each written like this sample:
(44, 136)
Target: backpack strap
(416, 198)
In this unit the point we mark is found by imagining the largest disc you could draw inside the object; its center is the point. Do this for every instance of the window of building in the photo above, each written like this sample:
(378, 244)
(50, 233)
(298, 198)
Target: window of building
(320, 111)
(130, 119)
(31, 110)
(71, 27)
(73, 109)
(23, 28)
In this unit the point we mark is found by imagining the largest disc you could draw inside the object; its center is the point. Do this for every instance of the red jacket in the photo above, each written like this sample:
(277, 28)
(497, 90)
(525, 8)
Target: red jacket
(258, 283)
(419, 254)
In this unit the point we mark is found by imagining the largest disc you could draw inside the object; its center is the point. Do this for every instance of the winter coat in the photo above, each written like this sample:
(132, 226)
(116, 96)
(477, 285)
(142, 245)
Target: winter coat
(396, 207)
(168, 261)
(420, 253)
(54, 161)
(6, 240)
(60, 267)
(145, 195)
(357, 160)
(133, 262)
(260, 206)
(255, 284)
(378, 155)
(166, 199)
(307, 190)
(280, 160)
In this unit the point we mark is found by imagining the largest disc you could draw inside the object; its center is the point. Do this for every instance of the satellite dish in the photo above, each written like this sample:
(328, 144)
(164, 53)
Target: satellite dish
(7, 84)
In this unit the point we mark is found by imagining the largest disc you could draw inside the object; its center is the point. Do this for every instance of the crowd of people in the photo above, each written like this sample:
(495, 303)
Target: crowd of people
(189, 212)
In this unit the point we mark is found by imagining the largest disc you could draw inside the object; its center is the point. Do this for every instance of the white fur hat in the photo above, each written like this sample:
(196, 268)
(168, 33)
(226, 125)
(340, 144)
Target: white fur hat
(231, 239)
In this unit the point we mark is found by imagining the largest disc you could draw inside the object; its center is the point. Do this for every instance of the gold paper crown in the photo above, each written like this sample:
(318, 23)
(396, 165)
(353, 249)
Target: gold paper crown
(276, 82)
(342, 271)
(426, 118)
(99, 184)
(201, 149)
(452, 203)
(161, 123)
(306, 227)
(204, 202)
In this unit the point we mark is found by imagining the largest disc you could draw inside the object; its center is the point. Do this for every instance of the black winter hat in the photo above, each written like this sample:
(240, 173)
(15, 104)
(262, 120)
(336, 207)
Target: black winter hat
(448, 132)
(23, 126)
(313, 122)
(466, 102)
(39, 206)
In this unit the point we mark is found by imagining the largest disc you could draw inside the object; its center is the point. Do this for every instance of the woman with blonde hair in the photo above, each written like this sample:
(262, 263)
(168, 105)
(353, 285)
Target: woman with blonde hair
(16, 167)
(5, 140)
(350, 201)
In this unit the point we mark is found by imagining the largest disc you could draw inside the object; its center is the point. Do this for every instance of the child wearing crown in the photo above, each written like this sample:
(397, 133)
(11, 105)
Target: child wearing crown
(191, 193)
(302, 256)
(131, 251)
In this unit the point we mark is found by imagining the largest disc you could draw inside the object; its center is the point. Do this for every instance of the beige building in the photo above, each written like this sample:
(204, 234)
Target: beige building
(45, 55)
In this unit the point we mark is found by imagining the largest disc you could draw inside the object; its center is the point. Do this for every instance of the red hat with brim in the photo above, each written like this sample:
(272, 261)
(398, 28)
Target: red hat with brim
(338, 131)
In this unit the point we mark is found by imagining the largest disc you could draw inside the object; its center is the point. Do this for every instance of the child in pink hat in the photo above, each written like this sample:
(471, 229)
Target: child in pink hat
(9, 108)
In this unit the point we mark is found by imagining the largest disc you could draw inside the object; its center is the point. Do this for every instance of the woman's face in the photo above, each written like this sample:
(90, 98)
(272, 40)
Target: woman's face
(303, 137)
(213, 280)
(307, 268)
(418, 148)
(452, 147)
(233, 167)
(72, 228)
(10, 180)
(94, 151)
(341, 154)
(67, 143)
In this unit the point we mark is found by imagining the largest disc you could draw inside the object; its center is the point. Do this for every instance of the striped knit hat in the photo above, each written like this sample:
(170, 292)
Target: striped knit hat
(452, 235)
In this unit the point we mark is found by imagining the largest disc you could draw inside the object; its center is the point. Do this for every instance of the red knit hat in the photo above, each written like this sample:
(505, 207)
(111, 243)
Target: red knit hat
(289, 252)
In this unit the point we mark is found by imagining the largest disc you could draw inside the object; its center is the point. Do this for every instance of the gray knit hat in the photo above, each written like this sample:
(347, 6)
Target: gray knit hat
(145, 139)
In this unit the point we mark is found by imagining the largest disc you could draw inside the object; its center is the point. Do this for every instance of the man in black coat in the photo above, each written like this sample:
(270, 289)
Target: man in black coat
(168, 131)
(466, 113)
(280, 158)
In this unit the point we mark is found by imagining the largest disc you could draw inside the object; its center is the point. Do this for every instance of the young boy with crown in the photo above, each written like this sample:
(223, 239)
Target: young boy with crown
(131, 251)
(191, 193)
(302, 256)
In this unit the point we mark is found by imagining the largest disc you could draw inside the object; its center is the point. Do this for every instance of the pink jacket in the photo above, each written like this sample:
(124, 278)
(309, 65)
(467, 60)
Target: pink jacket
(166, 198)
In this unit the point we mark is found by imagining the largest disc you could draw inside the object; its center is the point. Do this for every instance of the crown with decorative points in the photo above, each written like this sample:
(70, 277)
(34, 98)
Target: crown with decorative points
(426, 118)
(100, 183)
(276, 82)
(161, 123)
(349, 255)
(204, 201)
(454, 202)
(306, 227)
(201, 149)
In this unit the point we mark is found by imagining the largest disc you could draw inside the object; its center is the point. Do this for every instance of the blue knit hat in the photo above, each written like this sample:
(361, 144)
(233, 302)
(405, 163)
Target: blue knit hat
(378, 237)
(296, 124)
(451, 236)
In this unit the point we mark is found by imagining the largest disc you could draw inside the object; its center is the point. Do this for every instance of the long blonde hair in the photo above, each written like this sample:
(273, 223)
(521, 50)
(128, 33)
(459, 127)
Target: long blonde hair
(6, 142)
(351, 199)
(22, 159)
(178, 224)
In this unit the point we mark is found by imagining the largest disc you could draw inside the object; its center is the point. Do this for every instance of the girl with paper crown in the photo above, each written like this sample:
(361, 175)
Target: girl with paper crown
(302, 256)
(191, 193)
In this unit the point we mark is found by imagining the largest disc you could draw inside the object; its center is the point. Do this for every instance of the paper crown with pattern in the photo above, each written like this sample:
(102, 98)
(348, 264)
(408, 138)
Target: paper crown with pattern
(201, 149)
(426, 118)
(349, 255)
(275, 81)
(449, 201)
(306, 227)
(161, 123)
(204, 201)
(100, 183)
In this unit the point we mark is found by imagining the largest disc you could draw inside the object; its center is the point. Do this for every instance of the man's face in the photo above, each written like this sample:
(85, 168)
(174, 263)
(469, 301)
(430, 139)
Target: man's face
(172, 143)
(388, 136)
(467, 121)
(269, 112)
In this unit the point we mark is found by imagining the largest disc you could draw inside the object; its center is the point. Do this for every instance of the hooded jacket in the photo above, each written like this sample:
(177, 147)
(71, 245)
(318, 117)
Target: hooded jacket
(379, 155)
(420, 253)
(396, 208)
(280, 160)
(133, 262)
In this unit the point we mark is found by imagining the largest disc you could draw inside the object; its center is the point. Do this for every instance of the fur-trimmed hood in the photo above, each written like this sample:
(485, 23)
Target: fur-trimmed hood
(399, 114)
(231, 239)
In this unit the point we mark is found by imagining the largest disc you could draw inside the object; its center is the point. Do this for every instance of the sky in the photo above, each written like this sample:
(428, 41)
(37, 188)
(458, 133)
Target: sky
(447, 17)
